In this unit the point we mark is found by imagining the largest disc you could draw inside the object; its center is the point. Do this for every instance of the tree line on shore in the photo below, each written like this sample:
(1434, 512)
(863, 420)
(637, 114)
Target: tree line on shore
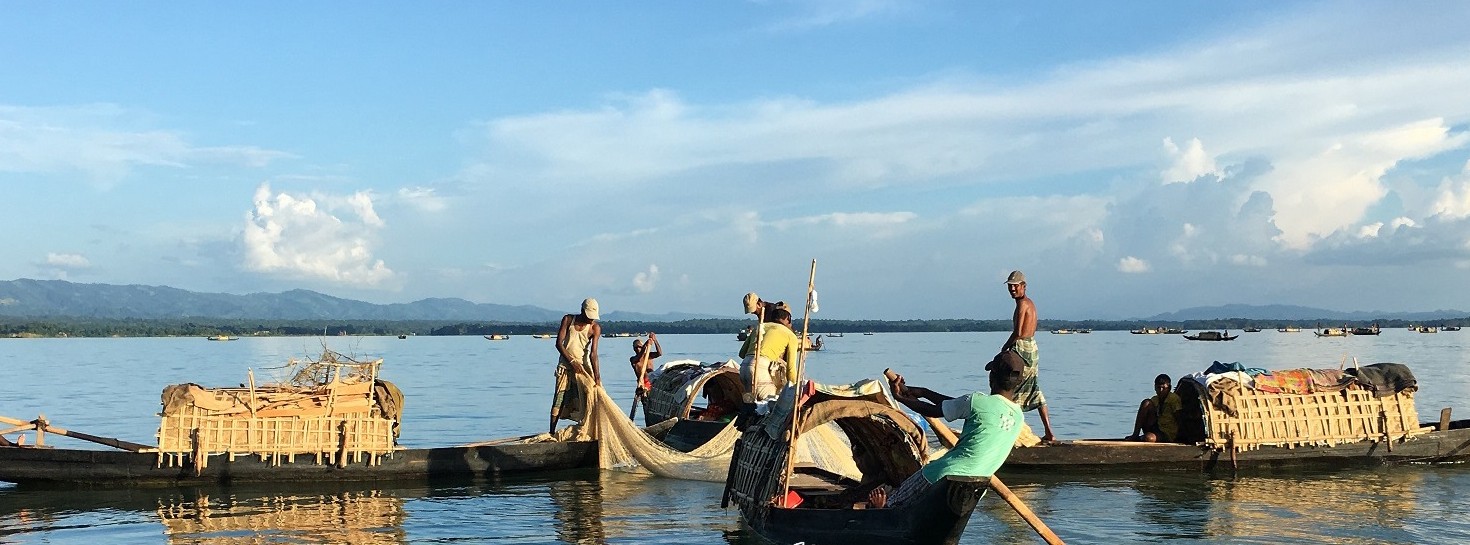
(203, 327)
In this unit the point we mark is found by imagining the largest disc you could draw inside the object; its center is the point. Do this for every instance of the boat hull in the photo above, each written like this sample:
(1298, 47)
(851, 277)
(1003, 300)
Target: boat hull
(937, 517)
(50, 466)
(1452, 445)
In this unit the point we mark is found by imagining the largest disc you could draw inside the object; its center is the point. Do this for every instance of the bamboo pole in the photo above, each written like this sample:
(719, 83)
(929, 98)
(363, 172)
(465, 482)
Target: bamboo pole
(642, 367)
(794, 432)
(39, 424)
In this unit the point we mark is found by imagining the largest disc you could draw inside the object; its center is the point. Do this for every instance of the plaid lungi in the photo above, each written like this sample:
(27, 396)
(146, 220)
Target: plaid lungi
(570, 401)
(1028, 395)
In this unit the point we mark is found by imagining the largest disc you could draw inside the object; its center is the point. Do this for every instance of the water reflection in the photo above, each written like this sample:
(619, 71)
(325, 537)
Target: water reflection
(578, 511)
(369, 517)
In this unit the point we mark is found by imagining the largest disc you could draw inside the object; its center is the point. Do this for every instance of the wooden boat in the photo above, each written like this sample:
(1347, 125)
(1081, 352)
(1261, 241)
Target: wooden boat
(1147, 331)
(1365, 330)
(1061, 332)
(52, 466)
(1084, 331)
(1450, 328)
(1229, 426)
(677, 390)
(1174, 331)
(812, 344)
(1252, 330)
(887, 446)
(1211, 336)
(1289, 329)
(1427, 329)
(403, 336)
(496, 337)
(1441, 446)
(835, 335)
(542, 335)
(1332, 332)
(222, 338)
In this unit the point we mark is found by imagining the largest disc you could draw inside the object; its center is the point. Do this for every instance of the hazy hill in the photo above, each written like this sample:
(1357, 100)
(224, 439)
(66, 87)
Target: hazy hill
(59, 298)
(1292, 312)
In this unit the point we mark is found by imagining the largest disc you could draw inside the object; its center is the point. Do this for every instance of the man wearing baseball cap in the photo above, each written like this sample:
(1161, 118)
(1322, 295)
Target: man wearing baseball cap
(576, 347)
(1023, 342)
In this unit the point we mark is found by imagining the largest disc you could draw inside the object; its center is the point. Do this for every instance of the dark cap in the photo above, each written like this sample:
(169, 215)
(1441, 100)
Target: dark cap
(1007, 360)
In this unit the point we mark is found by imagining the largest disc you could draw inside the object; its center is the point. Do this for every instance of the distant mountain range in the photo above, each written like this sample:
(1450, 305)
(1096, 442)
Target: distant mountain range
(59, 298)
(1292, 312)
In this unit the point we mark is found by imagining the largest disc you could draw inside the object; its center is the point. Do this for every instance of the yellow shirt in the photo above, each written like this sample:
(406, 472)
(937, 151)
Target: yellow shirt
(778, 342)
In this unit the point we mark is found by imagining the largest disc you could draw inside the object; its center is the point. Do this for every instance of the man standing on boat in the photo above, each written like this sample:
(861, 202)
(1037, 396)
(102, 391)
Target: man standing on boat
(774, 367)
(992, 424)
(576, 346)
(1023, 342)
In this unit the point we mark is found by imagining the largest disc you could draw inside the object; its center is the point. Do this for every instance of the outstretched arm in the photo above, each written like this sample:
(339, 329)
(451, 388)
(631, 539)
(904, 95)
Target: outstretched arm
(922, 400)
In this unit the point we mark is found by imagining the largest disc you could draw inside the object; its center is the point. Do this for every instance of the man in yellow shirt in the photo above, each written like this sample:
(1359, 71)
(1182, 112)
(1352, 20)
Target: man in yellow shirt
(1158, 416)
(779, 350)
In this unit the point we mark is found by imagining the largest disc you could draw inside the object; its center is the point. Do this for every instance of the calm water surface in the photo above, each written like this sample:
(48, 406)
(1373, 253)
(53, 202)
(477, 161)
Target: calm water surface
(462, 389)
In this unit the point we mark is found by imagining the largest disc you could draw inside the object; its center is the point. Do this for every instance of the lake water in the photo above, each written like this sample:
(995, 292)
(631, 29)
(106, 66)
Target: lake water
(461, 389)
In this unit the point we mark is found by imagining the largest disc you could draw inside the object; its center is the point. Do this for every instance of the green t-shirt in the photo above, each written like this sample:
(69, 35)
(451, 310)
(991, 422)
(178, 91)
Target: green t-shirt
(992, 424)
(1168, 425)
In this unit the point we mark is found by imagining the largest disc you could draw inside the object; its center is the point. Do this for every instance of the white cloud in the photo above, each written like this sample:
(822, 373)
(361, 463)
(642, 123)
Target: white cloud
(646, 281)
(1189, 163)
(300, 237)
(823, 13)
(424, 199)
(67, 261)
(106, 143)
(1130, 264)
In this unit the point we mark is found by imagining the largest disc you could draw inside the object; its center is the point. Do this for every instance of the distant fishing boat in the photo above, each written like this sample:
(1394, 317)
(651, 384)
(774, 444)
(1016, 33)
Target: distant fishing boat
(1450, 328)
(496, 337)
(1061, 332)
(1366, 330)
(1252, 330)
(1211, 336)
(222, 338)
(1427, 329)
(1289, 329)
(542, 335)
(1332, 332)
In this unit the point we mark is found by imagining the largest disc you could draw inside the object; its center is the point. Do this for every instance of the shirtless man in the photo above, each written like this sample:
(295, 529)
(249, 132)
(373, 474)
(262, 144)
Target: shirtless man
(1023, 342)
(642, 368)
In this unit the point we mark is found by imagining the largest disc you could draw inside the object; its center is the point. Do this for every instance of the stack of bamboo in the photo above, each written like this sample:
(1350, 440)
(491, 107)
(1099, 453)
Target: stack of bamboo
(338, 417)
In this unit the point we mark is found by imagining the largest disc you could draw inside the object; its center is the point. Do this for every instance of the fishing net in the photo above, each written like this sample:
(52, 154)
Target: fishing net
(623, 445)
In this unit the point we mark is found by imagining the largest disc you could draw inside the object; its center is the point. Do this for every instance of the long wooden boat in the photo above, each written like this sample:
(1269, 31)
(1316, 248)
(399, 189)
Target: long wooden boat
(1211, 336)
(887, 446)
(55, 466)
(678, 388)
(1450, 445)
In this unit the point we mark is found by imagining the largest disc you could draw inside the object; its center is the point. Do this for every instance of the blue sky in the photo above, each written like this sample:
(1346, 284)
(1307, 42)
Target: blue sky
(1132, 158)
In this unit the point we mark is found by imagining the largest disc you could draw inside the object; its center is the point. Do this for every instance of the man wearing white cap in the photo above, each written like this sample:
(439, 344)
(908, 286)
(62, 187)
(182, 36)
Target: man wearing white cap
(576, 345)
(1023, 342)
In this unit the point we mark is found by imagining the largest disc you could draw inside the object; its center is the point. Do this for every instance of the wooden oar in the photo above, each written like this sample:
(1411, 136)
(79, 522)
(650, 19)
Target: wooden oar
(949, 440)
(41, 424)
(638, 392)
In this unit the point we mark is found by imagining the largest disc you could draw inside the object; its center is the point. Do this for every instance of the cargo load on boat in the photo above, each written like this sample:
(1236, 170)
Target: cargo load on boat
(1244, 409)
(334, 409)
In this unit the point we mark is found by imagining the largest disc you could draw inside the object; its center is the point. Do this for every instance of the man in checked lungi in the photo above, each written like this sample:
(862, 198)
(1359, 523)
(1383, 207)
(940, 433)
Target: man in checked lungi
(1023, 342)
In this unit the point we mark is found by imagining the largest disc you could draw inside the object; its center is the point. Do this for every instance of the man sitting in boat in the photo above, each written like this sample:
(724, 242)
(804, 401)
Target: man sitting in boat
(776, 360)
(992, 423)
(1158, 416)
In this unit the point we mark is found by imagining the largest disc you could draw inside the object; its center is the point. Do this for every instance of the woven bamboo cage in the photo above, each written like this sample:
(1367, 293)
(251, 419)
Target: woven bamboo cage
(1242, 418)
(681, 383)
(333, 409)
(887, 447)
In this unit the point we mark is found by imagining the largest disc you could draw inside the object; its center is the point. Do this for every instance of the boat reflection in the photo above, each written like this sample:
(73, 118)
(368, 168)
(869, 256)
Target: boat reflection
(365, 517)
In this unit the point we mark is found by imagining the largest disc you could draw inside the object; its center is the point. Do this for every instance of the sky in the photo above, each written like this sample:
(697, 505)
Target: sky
(1131, 158)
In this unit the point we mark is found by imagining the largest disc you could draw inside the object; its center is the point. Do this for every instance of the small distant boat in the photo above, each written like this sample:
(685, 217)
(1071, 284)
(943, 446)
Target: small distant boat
(1450, 328)
(542, 335)
(1252, 330)
(813, 344)
(1175, 331)
(1332, 332)
(1084, 331)
(835, 335)
(1211, 336)
(1289, 329)
(1366, 330)
(869, 333)
(222, 338)
(1062, 332)
(1427, 329)
(403, 336)
(496, 337)
(1147, 331)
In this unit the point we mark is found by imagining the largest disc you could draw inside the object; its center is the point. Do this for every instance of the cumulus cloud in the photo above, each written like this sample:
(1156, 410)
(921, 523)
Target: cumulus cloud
(324, 238)
(1130, 264)
(646, 281)
(1189, 163)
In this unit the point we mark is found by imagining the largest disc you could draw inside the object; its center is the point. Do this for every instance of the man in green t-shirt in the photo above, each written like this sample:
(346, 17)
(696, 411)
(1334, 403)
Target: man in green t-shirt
(992, 423)
(1158, 416)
